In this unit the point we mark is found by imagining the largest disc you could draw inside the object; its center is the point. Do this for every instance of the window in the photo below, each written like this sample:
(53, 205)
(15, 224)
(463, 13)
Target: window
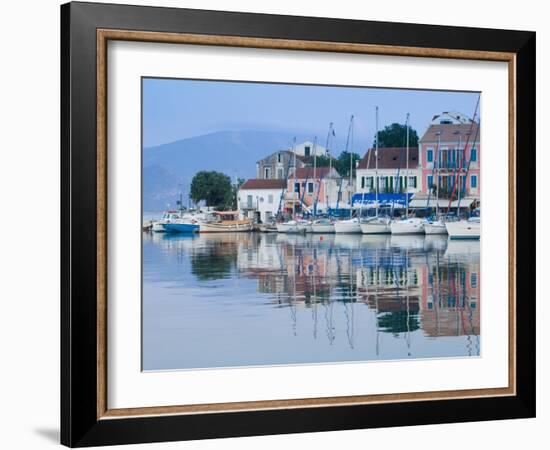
(278, 157)
(279, 173)
(340, 196)
(249, 201)
(473, 280)
(370, 182)
(261, 199)
(430, 182)
(270, 198)
(362, 182)
(473, 154)
(473, 181)
(297, 187)
(310, 188)
(412, 182)
(430, 155)
(307, 150)
(267, 172)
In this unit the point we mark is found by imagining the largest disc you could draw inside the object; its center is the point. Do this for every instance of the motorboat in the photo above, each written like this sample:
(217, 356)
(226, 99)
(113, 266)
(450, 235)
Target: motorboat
(158, 226)
(464, 229)
(347, 226)
(322, 226)
(412, 225)
(376, 225)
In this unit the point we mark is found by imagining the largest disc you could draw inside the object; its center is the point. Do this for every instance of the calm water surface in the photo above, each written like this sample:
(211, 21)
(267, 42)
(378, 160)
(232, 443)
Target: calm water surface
(247, 299)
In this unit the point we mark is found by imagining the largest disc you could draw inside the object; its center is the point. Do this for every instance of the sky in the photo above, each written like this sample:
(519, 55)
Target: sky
(175, 109)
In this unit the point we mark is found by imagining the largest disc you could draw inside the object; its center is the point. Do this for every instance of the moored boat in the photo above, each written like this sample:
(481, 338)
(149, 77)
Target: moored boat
(226, 221)
(376, 225)
(435, 227)
(181, 226)
(412, 225)
(167, 217)
(464, 229)
(347, 226)
(292, 226)
(322, 226)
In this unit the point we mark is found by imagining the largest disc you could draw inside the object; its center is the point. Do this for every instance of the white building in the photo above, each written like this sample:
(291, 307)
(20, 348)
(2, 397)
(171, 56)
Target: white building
(259, 199)
(450, 118)
(308, 148)
(392, 164)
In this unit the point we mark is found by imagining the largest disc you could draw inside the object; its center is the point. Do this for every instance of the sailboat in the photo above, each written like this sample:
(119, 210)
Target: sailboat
(407, 225)
(350, 225)
(325, 224)
(436, 226)
(464, 229)
(376, 224)
(293, 225)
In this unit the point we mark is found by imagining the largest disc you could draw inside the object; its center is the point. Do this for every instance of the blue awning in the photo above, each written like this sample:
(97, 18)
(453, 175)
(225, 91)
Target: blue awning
(368, 200)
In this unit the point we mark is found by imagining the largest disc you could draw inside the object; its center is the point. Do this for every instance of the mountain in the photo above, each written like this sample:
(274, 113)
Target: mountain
(232, 152)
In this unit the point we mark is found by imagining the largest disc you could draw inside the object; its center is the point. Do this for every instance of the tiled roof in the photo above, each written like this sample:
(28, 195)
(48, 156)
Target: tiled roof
(451, 133)
(389, 158)
(307, 172)
(256, 183)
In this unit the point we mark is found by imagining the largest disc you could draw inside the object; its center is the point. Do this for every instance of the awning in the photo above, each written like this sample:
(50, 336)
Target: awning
(422, 202)
(368, 200)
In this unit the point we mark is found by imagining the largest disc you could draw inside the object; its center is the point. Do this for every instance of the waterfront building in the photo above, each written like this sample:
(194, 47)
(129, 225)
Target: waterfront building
(260, 199)
(323, 183)
(278, 165)
(393, 180)
(452, 143)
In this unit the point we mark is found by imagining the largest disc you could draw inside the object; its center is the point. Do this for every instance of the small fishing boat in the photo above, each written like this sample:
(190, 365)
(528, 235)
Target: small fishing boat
(183, 225)
(226, 221)
(167, 217)
(412, 225)
(292, 226)
(464, 229)
(435, 227)
(322, 226)
(347, 226)
(376, 225)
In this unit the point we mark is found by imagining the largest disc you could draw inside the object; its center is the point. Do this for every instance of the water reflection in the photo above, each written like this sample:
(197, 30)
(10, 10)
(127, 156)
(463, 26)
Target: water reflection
(215, 300)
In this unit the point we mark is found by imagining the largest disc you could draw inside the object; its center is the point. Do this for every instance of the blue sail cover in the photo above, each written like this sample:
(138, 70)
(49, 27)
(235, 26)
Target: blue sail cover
(384, 200)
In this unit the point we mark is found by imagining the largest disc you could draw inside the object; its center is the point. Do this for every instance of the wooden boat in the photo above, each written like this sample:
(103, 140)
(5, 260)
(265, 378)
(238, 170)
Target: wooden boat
(226, 221)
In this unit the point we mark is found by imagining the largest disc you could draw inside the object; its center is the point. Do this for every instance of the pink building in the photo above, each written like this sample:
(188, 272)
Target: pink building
(452, 148)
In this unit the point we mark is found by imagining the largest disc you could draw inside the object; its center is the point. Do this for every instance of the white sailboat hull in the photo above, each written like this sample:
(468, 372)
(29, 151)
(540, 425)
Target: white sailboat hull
(291, 228)
(463, 229)
(322, 228)
(347, 227)
(407, 226)
(435, 228)
(376, 227)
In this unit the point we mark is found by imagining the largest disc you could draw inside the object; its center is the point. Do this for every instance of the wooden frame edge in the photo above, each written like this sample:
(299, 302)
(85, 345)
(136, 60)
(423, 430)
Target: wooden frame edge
(103, 36)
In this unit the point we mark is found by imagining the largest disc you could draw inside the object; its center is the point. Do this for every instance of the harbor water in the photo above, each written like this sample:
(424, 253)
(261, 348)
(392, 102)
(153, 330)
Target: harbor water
(255, 299)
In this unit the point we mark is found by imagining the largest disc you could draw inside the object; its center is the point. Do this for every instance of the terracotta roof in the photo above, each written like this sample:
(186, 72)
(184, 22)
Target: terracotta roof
(389, 158)
(307, 172)
(451, 133)
(256, 183)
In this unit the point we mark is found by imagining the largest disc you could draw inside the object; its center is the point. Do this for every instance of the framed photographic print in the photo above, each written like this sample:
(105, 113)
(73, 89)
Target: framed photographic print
(277, 224)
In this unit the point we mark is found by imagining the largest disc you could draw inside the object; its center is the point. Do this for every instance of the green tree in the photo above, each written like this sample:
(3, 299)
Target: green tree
(212, 187)
(231, 197)
(395, 135)
(342, 164)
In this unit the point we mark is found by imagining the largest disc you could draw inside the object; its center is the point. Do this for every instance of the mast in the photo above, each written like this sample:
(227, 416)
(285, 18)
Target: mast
(350, 166)
(407, 176)
(314, 174)
(437, 164)
(376, 167)
(330, 132)
(459, 171)
(294, 179)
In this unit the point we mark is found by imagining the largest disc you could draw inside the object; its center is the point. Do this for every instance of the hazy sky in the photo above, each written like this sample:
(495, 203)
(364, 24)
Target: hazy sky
(177, 109)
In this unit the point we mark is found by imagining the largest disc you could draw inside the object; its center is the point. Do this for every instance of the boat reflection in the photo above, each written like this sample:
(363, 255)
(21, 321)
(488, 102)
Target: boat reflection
(410, 282)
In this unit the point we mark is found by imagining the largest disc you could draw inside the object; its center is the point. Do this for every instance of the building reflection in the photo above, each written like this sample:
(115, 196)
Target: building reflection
(410, 283)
